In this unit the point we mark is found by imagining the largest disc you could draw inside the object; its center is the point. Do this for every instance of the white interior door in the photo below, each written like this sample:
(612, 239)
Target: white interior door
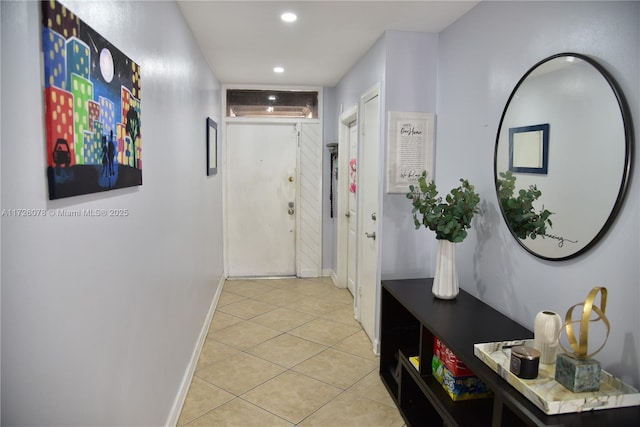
(368, 205)
(261, 197)
(351, 212)
(346, 203)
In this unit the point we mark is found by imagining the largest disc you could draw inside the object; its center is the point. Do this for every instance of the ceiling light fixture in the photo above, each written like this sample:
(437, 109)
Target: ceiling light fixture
(288, 17)
(278, 70)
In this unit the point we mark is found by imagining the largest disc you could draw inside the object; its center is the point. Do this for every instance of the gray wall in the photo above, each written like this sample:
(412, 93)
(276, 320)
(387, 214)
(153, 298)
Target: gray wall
(100, 316)
(404, 63)
(368, 71)
(411, 77)
(481, 58)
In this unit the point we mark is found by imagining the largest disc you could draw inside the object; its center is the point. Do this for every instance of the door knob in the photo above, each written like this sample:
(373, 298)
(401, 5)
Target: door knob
(373, 216)
(291, 204)
(371, 235)
(348, 214)
(291, 211)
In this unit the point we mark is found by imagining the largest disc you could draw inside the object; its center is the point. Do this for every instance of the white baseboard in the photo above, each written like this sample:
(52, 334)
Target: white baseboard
(176, 409)
(331, 273)
(376, 347)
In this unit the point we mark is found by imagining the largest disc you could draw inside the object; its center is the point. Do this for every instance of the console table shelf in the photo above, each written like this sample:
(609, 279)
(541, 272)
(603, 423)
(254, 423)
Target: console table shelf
(411, 317)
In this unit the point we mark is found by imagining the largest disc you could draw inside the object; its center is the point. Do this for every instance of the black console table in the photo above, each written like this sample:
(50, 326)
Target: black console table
(411, 317)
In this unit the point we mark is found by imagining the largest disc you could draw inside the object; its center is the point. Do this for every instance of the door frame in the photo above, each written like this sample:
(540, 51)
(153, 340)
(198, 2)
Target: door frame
(222, 139)
(371, 93)
(346, 118)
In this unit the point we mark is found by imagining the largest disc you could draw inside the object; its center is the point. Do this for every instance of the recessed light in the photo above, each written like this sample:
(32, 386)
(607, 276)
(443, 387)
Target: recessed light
(288, 17)
(271, 97)
(278, 70)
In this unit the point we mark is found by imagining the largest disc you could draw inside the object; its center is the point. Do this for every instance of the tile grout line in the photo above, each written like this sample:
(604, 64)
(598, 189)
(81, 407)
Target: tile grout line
(316, 316)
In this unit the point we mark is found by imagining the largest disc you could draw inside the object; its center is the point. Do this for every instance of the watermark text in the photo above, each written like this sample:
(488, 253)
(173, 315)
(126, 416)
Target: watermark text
(64, 212)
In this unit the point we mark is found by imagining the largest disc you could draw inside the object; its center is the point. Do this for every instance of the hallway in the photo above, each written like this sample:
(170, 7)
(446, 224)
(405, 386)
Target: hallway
(285, 352)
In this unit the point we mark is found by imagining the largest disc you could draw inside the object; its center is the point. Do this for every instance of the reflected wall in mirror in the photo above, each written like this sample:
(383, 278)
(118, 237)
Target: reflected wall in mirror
(561, 210)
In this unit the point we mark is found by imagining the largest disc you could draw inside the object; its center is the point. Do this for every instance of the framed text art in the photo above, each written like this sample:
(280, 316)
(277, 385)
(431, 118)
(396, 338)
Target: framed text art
(92, 108)
(410, 149)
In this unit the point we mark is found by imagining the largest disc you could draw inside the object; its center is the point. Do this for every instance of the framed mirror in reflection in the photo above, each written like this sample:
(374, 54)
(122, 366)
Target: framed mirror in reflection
(529, 149)
(563, 156)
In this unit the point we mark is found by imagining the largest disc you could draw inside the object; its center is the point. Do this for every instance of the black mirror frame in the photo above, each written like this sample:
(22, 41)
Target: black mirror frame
(628, 162)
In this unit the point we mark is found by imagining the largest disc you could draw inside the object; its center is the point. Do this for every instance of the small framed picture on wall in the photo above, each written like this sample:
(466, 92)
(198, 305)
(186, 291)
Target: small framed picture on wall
(212, 147)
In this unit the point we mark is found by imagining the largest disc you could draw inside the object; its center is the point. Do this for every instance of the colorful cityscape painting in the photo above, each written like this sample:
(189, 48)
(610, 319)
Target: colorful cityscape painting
(92, 108)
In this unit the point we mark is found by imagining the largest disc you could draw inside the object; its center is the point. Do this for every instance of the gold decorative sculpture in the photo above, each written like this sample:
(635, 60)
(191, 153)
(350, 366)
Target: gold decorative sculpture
(576, 369)
(580, 346)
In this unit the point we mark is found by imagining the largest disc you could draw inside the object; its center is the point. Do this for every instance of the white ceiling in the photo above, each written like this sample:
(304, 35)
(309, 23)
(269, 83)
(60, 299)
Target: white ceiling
(244, 40)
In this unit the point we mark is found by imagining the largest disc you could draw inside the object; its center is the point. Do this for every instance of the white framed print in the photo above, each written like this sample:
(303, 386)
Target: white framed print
(410, 149)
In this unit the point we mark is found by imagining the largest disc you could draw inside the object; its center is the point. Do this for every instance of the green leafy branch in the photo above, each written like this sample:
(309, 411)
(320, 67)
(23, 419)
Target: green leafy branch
(519, 212)
(449, 219)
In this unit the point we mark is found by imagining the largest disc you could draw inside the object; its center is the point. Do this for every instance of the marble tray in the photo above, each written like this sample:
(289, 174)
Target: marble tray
(548, 394)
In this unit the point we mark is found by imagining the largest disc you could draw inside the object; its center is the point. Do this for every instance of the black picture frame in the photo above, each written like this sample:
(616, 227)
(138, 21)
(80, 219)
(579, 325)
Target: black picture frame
(212, 147)
(529, 149)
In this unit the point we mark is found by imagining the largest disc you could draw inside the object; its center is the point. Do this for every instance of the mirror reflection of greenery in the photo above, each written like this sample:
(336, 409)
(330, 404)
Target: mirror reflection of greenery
(449, 220)
(519, 211)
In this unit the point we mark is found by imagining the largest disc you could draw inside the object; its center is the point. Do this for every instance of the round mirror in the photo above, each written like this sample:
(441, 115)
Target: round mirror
(563, 156)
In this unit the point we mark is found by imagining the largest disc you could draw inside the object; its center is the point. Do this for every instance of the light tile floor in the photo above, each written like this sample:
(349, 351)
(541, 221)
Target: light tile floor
(287, 352)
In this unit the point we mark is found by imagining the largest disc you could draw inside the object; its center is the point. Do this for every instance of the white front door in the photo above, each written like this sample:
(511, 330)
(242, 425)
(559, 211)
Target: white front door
(368, 206)
(352, 220)
(261, 199)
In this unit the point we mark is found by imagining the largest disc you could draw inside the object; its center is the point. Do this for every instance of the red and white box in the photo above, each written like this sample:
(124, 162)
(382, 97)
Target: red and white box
(449, 359)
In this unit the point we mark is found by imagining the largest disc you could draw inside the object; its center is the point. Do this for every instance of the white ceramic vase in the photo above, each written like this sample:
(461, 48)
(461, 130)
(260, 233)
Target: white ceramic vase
(445, 281)
(546, 328)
